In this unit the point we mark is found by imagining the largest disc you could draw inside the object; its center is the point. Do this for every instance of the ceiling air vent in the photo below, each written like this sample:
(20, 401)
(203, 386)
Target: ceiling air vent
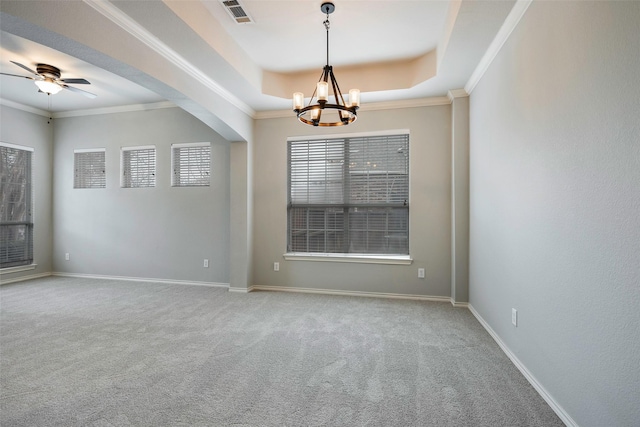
(235, 10)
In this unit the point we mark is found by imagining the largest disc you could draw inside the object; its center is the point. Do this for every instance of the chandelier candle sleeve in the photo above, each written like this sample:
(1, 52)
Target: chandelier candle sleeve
(298, 101)
(354, 97)
(323, 91)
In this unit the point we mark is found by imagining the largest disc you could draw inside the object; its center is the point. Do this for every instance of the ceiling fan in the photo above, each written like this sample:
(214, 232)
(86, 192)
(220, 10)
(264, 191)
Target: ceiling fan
(47, 78)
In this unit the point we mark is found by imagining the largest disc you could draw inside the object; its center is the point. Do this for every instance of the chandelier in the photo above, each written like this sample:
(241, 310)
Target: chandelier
(323, 113)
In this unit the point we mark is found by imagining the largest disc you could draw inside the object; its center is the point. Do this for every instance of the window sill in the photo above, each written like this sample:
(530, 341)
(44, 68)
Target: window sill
(355, 258)
(18, 268)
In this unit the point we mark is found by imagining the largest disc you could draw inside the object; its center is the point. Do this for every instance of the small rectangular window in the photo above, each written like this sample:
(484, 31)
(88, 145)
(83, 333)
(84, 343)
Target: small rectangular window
(16, 205)
(138, 166)
(191, 164)
(89, 166)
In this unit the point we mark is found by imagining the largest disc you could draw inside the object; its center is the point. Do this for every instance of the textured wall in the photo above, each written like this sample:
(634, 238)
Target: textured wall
(555, 202)
(22, 128)
(162, 232)
(430, 207)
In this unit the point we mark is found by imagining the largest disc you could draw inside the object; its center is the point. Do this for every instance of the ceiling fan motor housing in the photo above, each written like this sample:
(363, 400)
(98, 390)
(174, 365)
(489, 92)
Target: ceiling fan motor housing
(48, 71)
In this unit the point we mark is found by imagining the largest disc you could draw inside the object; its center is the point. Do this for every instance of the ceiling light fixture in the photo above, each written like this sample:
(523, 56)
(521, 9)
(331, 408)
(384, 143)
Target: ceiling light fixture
(322, 113)
(48, 86)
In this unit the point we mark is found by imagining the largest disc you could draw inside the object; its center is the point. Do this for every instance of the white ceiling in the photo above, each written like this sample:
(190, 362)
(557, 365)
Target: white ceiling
(289, 36)
(286, 39)
(111, 90)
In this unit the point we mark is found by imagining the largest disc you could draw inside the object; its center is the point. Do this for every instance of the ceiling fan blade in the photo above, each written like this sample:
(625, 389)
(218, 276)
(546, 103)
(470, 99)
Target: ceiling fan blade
(84, 92)
(24, 67)
(75, 81)
(15, 75)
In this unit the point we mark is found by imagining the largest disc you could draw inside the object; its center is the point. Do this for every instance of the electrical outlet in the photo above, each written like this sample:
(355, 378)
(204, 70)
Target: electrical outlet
(421, 273)
(514, 317)
(276, 266)
(66, 256)
(206, 263)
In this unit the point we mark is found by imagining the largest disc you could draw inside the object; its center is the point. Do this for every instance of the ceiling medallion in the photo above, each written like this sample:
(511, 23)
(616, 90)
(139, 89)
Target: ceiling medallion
(322, 113)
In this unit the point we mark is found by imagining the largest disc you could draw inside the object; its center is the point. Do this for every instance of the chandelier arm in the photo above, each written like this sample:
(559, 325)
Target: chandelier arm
(336, 89)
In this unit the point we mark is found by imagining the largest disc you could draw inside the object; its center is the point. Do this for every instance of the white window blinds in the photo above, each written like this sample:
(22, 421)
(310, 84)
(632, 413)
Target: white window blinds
(191, 164)
(89, 166)
(349, 195)
(138, 166)
(16, 221)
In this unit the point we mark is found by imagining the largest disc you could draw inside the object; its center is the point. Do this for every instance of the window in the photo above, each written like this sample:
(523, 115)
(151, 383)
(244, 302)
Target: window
(89, 166)
(138, 167)
(191, 164)
(349, 195)
(16, 221)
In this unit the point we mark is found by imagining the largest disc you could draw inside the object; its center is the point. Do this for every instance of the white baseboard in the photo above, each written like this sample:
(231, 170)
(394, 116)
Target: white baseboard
(459, 304)
(241, 290)
(562, 414)
(142, 279)
(350, 293)
(23, 278)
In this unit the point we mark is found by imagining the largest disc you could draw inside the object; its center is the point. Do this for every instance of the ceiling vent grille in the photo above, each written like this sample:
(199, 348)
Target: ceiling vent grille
(235, 10)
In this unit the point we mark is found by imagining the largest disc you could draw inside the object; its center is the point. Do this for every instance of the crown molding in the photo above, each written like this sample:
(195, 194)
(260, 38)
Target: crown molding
(112, 110)
(23, 107)
(505, 31)
(391, 105)
(456, 93)
(132, 27)
(88, 112)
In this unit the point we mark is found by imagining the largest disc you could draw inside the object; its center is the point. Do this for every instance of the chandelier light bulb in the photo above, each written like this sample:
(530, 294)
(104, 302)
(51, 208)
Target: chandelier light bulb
(298, 101)
(354, 97)
(323, 91)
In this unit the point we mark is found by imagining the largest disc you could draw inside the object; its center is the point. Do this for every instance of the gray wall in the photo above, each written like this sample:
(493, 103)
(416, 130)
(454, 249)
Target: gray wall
(555, 204)
(31, 130)
(163, 232)
(430, 207)
(460, 199)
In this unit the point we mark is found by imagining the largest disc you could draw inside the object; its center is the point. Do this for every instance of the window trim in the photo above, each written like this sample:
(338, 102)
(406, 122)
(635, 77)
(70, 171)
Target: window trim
(390, 132)
(18, 268)
(350, 258)
(353, 257)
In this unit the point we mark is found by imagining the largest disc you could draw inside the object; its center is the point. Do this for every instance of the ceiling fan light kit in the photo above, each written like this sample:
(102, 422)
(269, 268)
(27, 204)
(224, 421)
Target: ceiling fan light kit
(323, 113)
(48, 86)
(47, 78)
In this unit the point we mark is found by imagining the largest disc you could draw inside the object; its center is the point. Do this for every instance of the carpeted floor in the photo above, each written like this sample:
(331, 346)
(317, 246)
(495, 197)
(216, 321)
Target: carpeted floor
(86, 352)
